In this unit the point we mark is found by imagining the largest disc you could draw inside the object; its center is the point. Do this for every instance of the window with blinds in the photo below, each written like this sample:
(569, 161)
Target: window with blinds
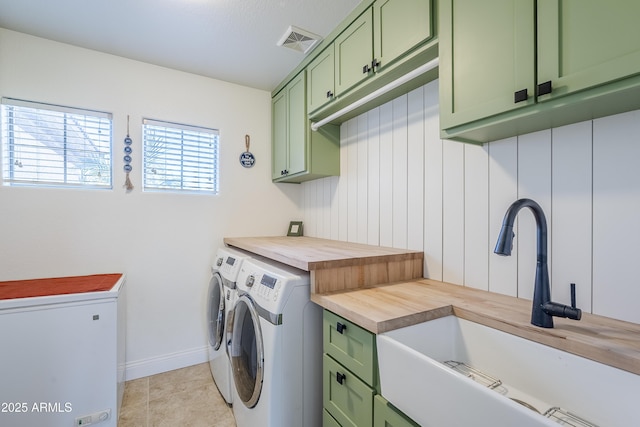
(52, 145)
(180, 157)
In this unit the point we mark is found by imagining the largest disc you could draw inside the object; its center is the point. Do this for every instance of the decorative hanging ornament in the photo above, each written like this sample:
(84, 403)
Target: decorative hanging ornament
(247, 159)
(127, 159)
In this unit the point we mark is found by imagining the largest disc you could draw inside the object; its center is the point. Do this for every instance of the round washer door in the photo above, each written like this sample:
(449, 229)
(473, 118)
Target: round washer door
(215, 311)
(247, 351)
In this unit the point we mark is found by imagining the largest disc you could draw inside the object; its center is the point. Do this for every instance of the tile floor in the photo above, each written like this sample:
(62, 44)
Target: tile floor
(186, 397)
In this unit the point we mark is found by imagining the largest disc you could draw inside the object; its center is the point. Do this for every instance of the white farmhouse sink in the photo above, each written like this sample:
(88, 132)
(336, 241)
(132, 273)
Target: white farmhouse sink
(415, 379)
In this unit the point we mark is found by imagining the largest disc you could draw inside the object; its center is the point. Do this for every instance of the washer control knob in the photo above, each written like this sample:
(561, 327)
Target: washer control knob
(250, 280)
(219, 262)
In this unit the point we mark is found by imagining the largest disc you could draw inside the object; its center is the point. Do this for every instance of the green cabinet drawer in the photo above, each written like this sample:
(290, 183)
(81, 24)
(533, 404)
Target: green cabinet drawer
(347, 398)
(352, 346)
(328, 420)
(386, 415)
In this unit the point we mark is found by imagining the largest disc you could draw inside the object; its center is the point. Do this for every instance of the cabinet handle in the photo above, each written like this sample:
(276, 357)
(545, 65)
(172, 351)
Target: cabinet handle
(375, 63)
(366, 69)
(520, 96)
(544, 88)
(329, 94)
(340, 378)
(284, 172)
(340, 327)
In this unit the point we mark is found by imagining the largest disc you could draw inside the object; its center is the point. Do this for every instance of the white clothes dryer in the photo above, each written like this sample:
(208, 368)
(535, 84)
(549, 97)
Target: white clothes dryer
(221, 297)
(276, 348)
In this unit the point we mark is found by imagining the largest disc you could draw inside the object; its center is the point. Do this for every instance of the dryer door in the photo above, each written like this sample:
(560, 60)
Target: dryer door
(215, 311)
(247, 351)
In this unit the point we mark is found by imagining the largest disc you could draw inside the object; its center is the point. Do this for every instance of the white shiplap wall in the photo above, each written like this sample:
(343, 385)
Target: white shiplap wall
(401, 185)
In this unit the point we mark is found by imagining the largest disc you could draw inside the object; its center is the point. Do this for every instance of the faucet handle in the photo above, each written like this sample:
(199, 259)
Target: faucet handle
(561, 310)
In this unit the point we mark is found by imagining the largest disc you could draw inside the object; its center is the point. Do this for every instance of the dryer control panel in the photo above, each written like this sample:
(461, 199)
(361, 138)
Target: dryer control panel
(263, 286)
(230, 269)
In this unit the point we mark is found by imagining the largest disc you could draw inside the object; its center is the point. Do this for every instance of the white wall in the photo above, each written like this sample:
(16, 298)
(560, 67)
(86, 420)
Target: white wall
(165, 243)
(402, 186)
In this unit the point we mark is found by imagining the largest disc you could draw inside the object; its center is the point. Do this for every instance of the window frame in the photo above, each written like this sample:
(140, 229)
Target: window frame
(10, 143)
(188, 133)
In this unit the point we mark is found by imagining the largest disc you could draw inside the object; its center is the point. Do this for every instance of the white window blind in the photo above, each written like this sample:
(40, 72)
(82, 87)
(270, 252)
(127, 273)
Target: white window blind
(51, 145)
(180, 157)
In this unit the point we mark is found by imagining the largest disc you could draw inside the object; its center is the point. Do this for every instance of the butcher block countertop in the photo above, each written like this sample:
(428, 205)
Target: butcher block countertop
(383, 289)
(386, 307)
(311, 253)
(336, 265)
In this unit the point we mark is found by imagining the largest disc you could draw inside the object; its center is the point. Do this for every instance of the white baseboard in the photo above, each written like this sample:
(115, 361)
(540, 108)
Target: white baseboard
(168, 362)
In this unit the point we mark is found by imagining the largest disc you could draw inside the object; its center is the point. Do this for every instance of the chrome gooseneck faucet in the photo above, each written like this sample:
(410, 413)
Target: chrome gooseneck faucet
(543, 308)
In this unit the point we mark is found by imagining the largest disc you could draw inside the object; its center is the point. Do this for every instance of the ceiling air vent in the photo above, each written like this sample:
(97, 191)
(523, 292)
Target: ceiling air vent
(298, 39)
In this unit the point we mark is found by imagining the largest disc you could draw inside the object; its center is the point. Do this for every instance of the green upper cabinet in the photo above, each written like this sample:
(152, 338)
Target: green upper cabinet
(585, 43)
(280, 134)
(354, 53)
(385, 32)
(320, 76)
(378, 43)
(289, 114)
(297, 153)
(398, 27)
(509, 67)
(489, 56)
(297, 115)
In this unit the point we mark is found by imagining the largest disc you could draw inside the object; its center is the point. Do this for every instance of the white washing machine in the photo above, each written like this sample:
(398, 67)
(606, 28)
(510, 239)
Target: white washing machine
(276, 348)
(222, 295)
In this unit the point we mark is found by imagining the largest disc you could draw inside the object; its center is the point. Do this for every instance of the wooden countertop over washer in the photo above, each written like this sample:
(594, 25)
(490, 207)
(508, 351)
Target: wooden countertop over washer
(336, 265)
(386, 307)
(310, 253)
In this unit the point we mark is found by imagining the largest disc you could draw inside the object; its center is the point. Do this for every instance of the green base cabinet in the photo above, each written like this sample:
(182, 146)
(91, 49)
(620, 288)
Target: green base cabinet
(387, 415)
(509, 67)
(298, 154)
(351, 382)
(328, 420)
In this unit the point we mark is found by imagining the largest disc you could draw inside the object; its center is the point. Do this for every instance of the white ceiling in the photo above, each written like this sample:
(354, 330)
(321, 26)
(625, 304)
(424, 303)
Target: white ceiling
(230, 40)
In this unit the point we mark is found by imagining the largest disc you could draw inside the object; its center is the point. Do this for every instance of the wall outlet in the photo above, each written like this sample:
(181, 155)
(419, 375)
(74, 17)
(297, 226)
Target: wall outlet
(92, 419)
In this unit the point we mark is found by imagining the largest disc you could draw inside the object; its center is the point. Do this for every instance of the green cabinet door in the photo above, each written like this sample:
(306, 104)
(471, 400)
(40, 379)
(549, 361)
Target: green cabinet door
(353, 53)
(320, 80)
(398, 27)
(297, 120)
(585, 43)
(288, 110)
(487, 54)
(297, 153)
(280, 134)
